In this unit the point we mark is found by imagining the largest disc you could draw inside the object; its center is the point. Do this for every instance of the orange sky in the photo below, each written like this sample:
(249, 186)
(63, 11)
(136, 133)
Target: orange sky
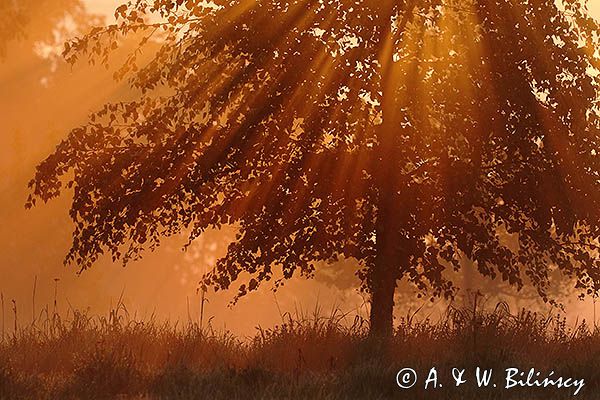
(102, 6)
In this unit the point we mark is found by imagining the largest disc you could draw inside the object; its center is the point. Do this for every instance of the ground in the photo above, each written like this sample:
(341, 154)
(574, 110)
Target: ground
(316, 357)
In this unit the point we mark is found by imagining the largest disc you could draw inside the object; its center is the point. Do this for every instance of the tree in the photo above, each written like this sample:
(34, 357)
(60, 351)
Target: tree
(12, 21)
(406, 134)
(38, 20)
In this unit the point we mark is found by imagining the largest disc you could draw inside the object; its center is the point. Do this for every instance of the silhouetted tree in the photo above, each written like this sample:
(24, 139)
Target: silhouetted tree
(406, 134)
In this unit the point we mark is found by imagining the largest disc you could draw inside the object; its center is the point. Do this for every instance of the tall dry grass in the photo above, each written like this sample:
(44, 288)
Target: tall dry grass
(315, 356)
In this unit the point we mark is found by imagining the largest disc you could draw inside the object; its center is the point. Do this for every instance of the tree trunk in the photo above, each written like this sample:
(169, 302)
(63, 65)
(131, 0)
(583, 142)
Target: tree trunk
(391, 257)
(391, 213)
(384, 277)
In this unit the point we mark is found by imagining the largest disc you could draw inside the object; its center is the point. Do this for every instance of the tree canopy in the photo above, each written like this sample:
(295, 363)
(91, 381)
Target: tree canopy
(319, 128)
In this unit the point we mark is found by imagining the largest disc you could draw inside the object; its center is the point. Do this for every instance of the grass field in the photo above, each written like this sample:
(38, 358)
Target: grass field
(314, 357)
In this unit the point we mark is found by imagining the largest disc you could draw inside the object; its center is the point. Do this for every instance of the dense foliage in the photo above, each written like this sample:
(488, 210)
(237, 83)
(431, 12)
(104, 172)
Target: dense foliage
(309, 125)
